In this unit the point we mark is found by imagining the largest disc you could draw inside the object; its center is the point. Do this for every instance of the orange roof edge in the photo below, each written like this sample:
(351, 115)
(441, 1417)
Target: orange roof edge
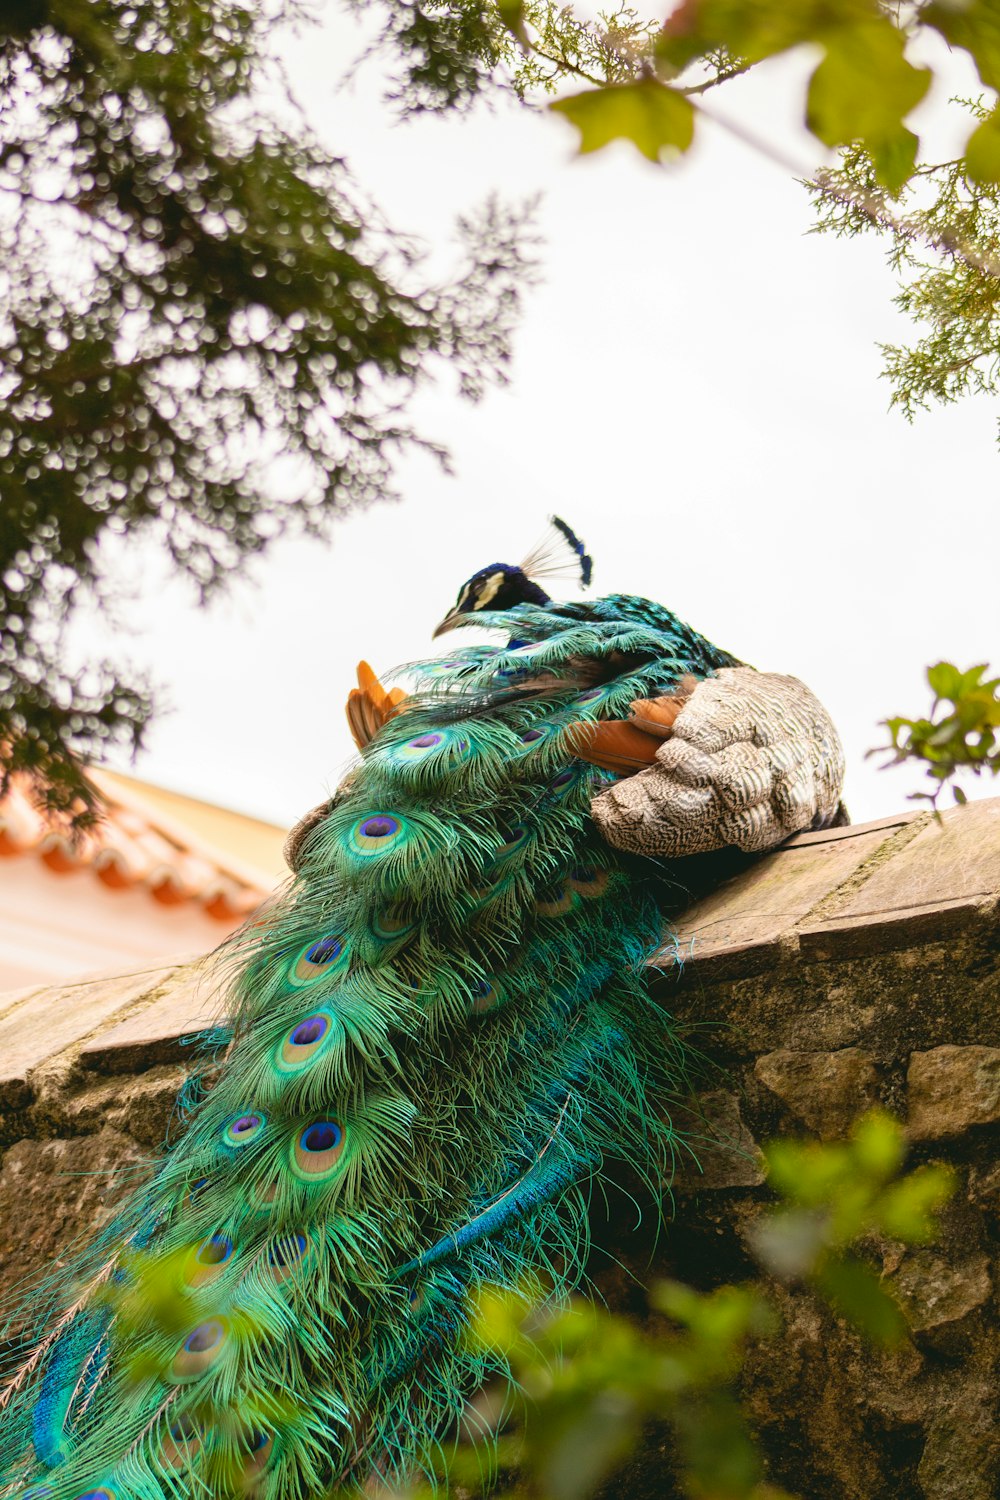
(114, 788)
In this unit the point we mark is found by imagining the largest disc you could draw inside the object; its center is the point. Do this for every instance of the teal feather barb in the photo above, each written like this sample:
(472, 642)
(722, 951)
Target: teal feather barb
(440, 1032)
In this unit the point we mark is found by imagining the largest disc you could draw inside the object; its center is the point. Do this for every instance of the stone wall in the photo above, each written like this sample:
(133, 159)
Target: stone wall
(854, 966)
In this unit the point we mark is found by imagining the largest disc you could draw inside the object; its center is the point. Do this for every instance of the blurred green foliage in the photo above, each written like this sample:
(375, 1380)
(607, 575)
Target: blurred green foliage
(207, 332)
(961, 733)
(585, 1382)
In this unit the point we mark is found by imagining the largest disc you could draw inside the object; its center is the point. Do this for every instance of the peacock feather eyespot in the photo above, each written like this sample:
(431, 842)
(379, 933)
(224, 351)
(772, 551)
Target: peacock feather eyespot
(534, 735)
(589, 881)
(393, 924)
(317, 1150)
(322, 958)
(443, 747)
(264, 1195)
(286, 1255)
(209, 1259)
(376, 833)
(182, 1443)
(259, 1450)
(214, 1251)
(201, 1351)
(563, 783)
(514, 839)
(485, 997)
(591, 695)
(103, 1493)
(244, 1129)
(556, 900)
(300, 1045)
(308, 1032)
(195, 1191)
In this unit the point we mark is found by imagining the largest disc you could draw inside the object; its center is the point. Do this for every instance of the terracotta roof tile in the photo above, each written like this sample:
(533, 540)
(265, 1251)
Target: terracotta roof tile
(132, 847)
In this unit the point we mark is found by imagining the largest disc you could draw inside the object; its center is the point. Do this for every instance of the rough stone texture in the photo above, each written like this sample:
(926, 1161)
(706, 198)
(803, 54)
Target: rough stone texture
(51, 1191)
(854, 965)
(825, 1091)
(953, 1088)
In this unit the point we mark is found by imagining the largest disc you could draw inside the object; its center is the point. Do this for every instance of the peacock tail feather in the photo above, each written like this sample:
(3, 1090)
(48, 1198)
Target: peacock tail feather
(439, 1034)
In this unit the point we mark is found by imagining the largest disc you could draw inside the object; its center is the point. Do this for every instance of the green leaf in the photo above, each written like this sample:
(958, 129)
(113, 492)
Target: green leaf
(718, 1452)
(945, 680)
(982, 151)
(512, 16)
(895, 159)
(654, 117)
(879, 1144)
(788, 1243)
(974, 25)
(582, 1441)
(906, 1209)
(862, 90)
(854, 1292)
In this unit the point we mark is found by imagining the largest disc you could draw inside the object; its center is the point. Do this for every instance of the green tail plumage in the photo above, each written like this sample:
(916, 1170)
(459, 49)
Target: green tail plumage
(439, 1032)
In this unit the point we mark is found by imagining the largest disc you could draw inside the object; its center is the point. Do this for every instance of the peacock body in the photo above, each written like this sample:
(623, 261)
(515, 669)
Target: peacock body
(439, 1031)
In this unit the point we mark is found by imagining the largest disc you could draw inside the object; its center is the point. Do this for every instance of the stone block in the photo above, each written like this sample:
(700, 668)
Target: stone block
(9, 999)
(140, 1107)
(51, 1020)
(50, 1193)
(961, 1455)
(725, 1154)
(934, 1290)
(763, 904)
(952, 1089)
(825, 1090)
(937, 883)
(187, 1006)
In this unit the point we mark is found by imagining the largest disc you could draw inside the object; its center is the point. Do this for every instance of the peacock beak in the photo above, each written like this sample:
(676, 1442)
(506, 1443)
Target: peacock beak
(452, 618)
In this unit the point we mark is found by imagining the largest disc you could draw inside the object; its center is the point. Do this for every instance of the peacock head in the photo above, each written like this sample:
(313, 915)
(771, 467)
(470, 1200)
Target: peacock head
(501, 586)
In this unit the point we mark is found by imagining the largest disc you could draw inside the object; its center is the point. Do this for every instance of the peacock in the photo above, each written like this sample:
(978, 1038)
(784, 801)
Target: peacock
(437, 1035)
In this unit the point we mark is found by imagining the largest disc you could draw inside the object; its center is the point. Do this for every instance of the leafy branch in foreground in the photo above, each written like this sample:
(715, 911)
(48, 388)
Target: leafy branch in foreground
(206, 331)
(964, 736)
(584, 1382)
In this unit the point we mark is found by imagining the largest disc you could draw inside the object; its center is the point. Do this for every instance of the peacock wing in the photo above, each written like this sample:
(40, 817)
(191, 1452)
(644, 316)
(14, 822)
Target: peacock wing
(751, 758)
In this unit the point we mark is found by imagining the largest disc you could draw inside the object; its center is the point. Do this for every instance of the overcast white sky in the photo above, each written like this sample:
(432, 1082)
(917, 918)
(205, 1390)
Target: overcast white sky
(696, 389)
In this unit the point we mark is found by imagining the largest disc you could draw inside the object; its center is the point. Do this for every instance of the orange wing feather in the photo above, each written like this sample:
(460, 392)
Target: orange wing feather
(614, 745)
(369, 706)
(625, 746)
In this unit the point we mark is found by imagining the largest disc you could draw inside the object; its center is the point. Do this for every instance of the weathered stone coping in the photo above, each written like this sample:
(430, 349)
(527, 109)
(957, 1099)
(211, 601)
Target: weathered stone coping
(822, 897)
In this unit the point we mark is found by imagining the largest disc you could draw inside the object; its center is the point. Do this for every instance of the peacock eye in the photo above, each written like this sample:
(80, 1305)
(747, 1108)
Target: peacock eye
(379, 827)
(325, 951)
(201, 1350)
(323, 958)
(287, 1252)
(214, 1251)
(317, 1150)
(244, 1128)
(485, 997)
(322, 1137)
(309, 1031)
